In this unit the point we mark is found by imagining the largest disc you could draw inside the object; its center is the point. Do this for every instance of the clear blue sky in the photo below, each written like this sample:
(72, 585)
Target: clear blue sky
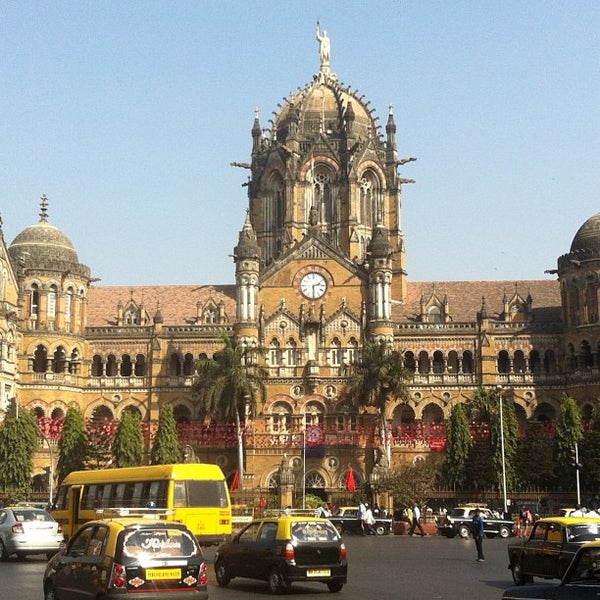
(128, 113)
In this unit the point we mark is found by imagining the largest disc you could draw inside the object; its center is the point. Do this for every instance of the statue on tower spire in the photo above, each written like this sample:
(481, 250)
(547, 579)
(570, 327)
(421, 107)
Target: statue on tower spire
(324, 48)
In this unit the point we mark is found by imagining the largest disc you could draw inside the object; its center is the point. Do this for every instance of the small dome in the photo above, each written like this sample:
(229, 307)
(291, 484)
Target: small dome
(586, 243)
(44, 246)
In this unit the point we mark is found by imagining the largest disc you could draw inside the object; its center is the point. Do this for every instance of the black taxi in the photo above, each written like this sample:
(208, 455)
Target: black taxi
(282, 550)
(118, 556)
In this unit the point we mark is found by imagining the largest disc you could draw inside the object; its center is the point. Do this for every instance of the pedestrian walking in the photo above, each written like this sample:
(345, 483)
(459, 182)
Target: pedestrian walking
(416, 521)
(478, 533)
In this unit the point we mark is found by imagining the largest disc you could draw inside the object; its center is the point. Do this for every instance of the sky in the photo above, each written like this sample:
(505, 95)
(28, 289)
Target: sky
(127, 116)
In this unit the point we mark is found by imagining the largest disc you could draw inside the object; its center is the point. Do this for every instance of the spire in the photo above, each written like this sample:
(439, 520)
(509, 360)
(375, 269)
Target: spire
(256, 131)
(247, 245)
(43, 209)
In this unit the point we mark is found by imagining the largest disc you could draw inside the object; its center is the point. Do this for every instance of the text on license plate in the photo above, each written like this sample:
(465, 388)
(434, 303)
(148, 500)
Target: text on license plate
(318, 572)
(152, 574)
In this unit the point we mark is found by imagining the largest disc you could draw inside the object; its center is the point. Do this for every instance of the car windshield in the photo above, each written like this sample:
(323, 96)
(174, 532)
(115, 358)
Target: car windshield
(587, 568)
(583, 532)
(314, 531)
(158, 543)
(24, 515)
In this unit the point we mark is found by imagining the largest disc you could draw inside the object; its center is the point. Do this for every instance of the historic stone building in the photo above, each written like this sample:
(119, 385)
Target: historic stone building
(319, 269)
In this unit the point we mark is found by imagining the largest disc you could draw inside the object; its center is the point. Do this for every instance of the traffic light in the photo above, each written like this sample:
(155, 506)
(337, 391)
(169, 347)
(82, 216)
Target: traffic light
(574, 457)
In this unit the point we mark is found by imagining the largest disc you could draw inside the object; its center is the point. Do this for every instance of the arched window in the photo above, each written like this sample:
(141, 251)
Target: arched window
(52, 293)
(467, 362)
(126, 366)
(323, 196)
(40, 359)
(438, 362)
(140, 365)
(519, 362)
(549, 362)
(434, 314)
(68, 304)
(59, 360)
(313, 414)
(291, 353)
(586, 354)
(503, 362)
(182, 414)
(452, 362)
(175, 366)
(188, 364)
(111, 366)
(424, 365)
(352, 351)
(370, 201)
(274, 353)
(130, 317)
(35, 300)
(97, 366)
(409, 361)
(535, 363)
(281, 417)
(335, 354)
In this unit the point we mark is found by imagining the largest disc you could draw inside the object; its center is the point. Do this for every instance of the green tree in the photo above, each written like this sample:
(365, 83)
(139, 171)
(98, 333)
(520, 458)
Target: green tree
(228, 387)
(458, 446)
(486, 407)
(535, 466)
(101, 429)
(377, 378)
(73, 444)
(589, 457)
(18, 442)
(165, 449)
(128, 444)
(569, 432)
(415, 483)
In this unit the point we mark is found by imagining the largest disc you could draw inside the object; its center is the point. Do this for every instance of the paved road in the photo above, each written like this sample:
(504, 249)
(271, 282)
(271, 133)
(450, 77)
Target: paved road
(391, 567)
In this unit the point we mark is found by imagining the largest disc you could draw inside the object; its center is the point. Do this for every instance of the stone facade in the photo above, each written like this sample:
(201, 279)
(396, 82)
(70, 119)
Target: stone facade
(319, 269)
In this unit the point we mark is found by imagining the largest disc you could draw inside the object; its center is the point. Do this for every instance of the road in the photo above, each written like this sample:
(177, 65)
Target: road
(390, 567)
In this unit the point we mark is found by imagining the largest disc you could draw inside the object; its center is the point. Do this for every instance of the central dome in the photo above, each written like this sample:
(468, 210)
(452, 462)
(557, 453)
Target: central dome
(322, 107)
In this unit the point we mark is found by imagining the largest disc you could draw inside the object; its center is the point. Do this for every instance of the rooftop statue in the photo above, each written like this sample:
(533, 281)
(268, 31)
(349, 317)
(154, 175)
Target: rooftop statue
(324, 48)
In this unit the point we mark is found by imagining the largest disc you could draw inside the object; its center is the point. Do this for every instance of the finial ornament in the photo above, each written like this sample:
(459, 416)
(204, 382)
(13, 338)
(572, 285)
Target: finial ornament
(324, 48)
(44, 209)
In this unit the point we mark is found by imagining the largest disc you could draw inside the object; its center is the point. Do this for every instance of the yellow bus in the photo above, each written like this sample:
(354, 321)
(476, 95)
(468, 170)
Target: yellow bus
(195, 494)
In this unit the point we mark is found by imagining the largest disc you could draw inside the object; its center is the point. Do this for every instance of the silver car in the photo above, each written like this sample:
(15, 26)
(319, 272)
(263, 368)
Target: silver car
(28, 530)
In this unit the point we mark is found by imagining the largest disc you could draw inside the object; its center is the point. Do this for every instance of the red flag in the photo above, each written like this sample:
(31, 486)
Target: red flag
(350, 483)
(235, 482)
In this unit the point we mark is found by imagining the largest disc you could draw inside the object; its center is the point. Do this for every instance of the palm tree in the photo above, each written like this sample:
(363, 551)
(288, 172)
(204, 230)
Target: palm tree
(377, 378)
(228, 386)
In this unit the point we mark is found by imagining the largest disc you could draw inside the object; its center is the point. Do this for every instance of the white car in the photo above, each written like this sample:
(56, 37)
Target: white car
(28, 530)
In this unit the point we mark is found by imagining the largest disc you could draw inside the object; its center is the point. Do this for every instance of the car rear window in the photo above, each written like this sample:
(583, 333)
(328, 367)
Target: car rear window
(314, 531)
(158, 543)
(31, 515)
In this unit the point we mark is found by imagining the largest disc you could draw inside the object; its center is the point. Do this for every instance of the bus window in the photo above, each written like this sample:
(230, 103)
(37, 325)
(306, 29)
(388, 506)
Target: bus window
(207, 493)
(180, 499)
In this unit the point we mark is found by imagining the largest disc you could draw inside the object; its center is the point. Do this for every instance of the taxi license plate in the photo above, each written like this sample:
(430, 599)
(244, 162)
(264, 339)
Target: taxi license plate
(154, 574)
(318, 572)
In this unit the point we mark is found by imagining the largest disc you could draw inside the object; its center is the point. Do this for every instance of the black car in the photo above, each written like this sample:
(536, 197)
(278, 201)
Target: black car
(346, 520)
(116, 558)
(282, 550)
(460, 519)
(580, 581)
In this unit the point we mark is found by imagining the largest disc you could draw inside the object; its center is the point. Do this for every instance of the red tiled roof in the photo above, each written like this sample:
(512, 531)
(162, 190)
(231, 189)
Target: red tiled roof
(465, 298)
(178, 303)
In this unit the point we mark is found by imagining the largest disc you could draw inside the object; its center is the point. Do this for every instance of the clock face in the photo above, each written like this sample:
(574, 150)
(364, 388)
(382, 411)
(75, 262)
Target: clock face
(313, 285)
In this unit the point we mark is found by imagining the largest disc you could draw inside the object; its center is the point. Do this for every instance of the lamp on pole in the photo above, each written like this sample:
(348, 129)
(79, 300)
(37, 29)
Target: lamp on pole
(500, 399)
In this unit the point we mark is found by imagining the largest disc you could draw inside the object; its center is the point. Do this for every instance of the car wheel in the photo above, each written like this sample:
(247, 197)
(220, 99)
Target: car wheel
(504, 532)
(3, 551)
(517, 573)
(380, 529)
(49, 593)
(463, 532)
(222, 574)
(277, 584)
(335, 586)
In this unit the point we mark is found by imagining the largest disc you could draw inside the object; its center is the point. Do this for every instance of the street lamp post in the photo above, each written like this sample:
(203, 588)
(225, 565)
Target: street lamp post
(51, 471)
(500, 398)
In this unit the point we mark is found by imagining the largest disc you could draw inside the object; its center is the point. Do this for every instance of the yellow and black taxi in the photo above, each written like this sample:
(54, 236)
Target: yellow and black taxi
(141, 556)
(581, 581)
(550, 547)
(282, 550)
